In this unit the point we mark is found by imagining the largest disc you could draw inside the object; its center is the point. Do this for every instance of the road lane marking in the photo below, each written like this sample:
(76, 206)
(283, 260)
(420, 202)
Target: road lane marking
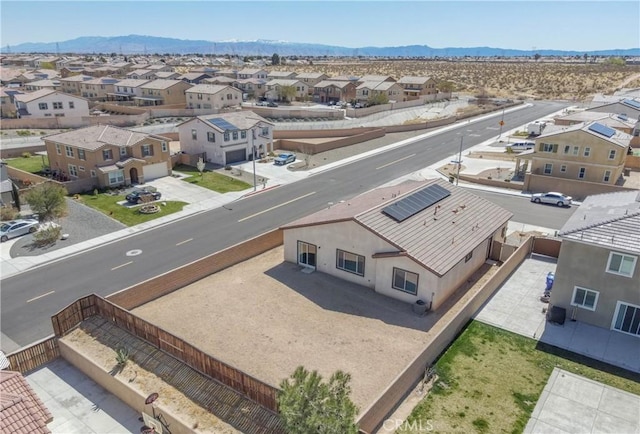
(394, 162)
(40, 296)
(184, 242)
(123, 265)
(275, 207)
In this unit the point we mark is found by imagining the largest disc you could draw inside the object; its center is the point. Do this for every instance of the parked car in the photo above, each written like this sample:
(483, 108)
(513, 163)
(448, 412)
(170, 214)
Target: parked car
(143, 195)
(285, 158)
(261, 103)
(358, 105)
(16, 228)
(272, 104)
(553, 198)
(521, 146)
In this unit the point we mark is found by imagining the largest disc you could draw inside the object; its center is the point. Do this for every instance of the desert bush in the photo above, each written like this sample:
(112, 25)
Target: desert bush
(47, 235)
(26, 155)
(8, 213)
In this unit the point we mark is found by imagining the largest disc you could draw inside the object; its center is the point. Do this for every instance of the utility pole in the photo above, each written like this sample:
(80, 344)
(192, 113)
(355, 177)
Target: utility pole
(459, 160)
(501, 123)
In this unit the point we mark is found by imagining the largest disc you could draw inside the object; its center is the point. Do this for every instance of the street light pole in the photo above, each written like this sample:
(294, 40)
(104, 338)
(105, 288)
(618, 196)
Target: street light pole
(459, 160)
(253, 158)
(501, 123)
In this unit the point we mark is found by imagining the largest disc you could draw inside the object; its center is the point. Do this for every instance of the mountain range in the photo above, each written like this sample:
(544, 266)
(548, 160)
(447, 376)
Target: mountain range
(140, 44)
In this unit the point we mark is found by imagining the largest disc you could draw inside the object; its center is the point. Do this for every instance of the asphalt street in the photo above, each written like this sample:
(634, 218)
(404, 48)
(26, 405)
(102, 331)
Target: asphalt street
(30, 298)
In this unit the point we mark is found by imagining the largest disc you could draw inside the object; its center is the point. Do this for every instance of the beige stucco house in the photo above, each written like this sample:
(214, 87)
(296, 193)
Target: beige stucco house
(162, 92)
(211, 96)
(415, 87)
(330, 90)
(597, 277)
(412, 241)
(98, 88)
(71, 85)
(109, 155)
(227, 138)
(575, 159)
(50, 103)
(274, 89)
(371, 89)
(126, 90)
(257, 73)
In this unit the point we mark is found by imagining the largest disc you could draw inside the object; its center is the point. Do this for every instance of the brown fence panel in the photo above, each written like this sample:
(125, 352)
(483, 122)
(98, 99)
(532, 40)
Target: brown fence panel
(34, 356)
(74, 314)
(547, 246)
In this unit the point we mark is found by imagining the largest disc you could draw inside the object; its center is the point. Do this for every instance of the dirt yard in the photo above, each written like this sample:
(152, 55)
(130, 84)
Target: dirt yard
(266, 317)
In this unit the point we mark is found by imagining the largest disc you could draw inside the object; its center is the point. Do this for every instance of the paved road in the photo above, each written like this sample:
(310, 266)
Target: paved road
(30, 298)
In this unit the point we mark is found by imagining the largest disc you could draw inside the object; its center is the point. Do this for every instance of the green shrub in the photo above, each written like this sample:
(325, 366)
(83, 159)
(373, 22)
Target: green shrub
(47, 235)
(8, 213)
(122, 356)
(26, 155)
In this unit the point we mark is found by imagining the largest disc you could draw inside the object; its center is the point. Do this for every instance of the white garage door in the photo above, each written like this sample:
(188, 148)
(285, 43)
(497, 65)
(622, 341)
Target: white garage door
(153, 171)
(235, 156)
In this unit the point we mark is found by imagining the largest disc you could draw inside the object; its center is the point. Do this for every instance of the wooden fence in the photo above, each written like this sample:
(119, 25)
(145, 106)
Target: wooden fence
(34, 356)
(254, 389)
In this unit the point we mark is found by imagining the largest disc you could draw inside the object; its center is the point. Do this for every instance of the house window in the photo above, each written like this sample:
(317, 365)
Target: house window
(621, 264)
(548, 168)
(147, 150)
(165, 147)
(116, 177)
(43, 106)
(607, 176)
(123, 151)
(350, 262)
(627, 318)
(93, 174)
(563, 168)
(69, 151)
(307, 254)
(194, 135)
(211, 137)
(81, 155)
(548, 147)
(405, 281)
(468, 257)
(59, 115)
(58, 151)
(243, 134)
(226, 136)
(235, 135)
(612, 154)
(576, 150)
(587, 152)
(265, 131)
(81, 168)
(581, 172)
(57, 106)
(73, 170)
(107, 154)
(206, 106)
(584, 298)
(71, 105)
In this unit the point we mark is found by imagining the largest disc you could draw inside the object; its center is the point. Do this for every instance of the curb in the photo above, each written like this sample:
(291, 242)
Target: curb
(253, 193)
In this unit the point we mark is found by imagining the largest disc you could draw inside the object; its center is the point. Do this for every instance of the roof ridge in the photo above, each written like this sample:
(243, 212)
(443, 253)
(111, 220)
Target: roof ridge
(421, 184)
(601, 222)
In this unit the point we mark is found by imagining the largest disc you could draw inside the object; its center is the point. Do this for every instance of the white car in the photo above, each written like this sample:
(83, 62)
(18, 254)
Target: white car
(521, 146)
(15, 228)
(553, 198)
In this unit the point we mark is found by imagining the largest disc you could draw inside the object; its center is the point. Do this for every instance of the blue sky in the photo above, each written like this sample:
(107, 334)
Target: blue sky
(569, 25)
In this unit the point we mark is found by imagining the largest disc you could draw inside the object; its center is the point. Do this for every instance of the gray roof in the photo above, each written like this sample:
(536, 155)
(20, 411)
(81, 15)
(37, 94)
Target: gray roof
(283, 82)
(27, 97)
(610, 220)
(210, 89)
(94, 137)
(281, 74)
(161, 84)
(413, 80)
(462, 221)
(376, 78)
(242, 120)
(132, 82)
(619, 138)
(338, 84)
(609, 119)
(311, 75)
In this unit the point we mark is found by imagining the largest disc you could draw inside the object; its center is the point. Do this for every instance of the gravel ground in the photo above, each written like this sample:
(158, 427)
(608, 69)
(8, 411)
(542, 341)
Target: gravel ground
(82, 223)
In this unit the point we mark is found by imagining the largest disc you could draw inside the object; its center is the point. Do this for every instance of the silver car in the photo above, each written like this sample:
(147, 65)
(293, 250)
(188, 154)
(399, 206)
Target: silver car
(552, 198)
(16, 228)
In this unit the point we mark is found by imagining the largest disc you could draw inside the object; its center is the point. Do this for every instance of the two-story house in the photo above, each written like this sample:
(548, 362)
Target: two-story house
(229, 73)
(275, 91)
(141, 74)
(281, 75)
(220, 80)
(162, 92)
(375, 78)
(247, 73)
(194, 77)
(166, 75)
(71, 85)
(50, 103)
(597, 276)
(311, 79)
(372, 89)
(328, 91)
(227, 138)
(110, 155)
(415, 87)
(53, 84)
(211, 96)
(626, 106)
(98, 88)
(576, 159)
(7, 102)
(126, 90)
(252, 87)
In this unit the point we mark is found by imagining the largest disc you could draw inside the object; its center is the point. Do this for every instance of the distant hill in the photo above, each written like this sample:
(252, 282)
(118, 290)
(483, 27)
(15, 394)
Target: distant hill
(139, 44)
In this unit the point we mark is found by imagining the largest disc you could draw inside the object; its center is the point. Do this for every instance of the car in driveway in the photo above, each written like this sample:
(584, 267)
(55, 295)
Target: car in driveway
(16, 228)
(272, 104)
(520, 146)
(143, 195)
(284, 158)
(552, 198)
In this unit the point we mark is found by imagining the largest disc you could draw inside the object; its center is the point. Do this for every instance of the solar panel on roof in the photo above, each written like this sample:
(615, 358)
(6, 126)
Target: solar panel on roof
(631, 103)
(623, 117)
(223, 124)
(414, 203)
(602, 129)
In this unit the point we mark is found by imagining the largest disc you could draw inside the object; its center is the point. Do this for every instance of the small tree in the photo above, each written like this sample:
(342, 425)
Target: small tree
(200, 165)
(309, 405)
(47, 200)
(378, 99)
(287, 93)
(275, 59)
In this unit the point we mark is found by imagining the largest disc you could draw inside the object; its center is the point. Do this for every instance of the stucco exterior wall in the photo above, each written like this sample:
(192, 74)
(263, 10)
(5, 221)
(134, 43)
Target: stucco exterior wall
(584, 265)
(80, 106)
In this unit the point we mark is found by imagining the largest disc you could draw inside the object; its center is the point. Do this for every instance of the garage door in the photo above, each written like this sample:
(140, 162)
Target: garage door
(153, 171)
(235, 156)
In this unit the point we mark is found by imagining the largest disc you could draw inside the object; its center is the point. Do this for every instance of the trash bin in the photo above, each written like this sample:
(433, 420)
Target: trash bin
(420, 307)
(550, 279)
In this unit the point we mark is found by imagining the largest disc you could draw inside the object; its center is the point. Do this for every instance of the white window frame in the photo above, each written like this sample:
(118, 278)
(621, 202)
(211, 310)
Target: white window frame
(607, 176)
(548, 147)
(623, 255)
(165, 147)
(576, 150)
(612, 154)
(194, 134)
(117, 179)
(587, 151)
(123, 151)
(81, 154)
(563, 168)
(57, 106)
(404, 278)
(93, 174)
(582, 172)
(73, 170)
(58, 150)
(550, 166)
(147, 150)
(342, 257)
(107, 152)
(614, 320)
(211, 137)
(582, 304)
(68, 150)
(43, 106)
(81, 168)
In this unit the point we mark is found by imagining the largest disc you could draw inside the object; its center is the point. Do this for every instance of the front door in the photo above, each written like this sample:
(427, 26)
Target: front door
(307, 254)
(133, 174)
